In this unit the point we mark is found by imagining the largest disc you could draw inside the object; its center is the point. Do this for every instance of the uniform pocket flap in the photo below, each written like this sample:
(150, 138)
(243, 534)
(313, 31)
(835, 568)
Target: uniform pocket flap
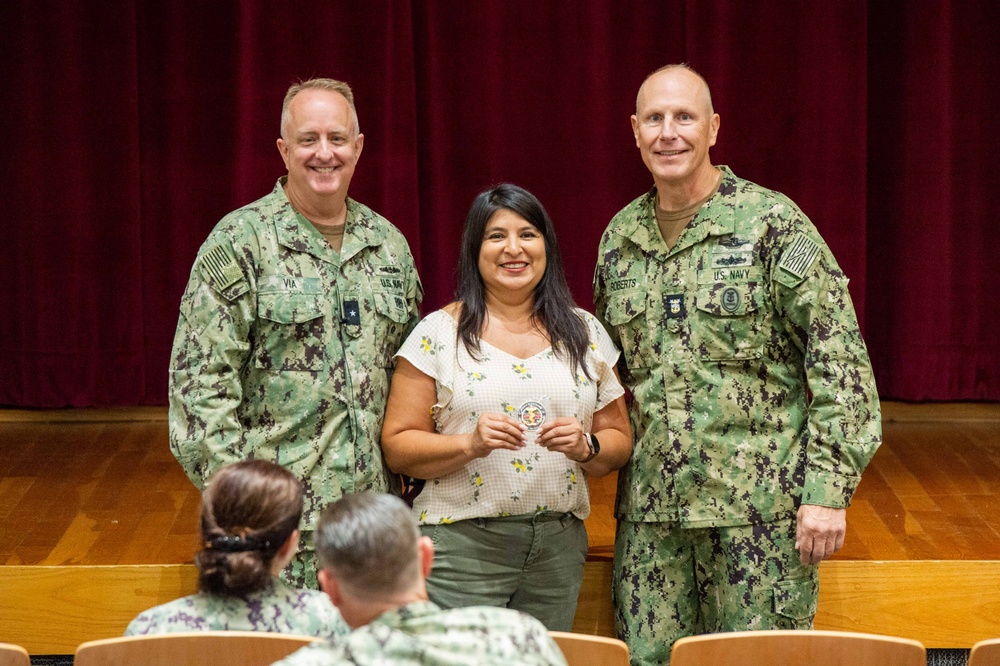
(796, 599)
(730, 300)
(289, 308)
(623, 307)
(392, 305)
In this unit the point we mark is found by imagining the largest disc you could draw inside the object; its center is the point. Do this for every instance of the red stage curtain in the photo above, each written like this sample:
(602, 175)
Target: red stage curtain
(932, 163)
(132, 126)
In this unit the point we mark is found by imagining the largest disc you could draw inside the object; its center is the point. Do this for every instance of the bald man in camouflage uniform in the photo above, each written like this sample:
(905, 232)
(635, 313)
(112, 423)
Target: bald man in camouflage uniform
(295, 306)
(754, 406)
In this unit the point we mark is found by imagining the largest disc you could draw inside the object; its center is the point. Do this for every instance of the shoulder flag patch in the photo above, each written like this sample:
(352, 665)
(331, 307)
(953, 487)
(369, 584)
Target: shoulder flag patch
(799, 256)
(219, 267)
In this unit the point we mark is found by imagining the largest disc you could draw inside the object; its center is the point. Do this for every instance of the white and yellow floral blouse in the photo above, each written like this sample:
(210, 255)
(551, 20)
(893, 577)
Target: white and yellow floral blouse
(508, 483)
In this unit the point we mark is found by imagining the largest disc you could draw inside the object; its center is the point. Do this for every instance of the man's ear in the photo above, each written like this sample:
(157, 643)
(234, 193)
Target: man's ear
(425, 547)
(359, 145)
(283, 149)
(328, 583)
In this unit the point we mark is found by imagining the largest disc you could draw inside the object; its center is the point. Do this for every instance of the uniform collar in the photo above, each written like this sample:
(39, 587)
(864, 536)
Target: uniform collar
(399, 616)
(717, 217)
(297, 233)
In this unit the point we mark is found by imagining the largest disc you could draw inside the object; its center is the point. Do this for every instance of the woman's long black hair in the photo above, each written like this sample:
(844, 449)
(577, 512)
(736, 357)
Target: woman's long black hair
(554, 305)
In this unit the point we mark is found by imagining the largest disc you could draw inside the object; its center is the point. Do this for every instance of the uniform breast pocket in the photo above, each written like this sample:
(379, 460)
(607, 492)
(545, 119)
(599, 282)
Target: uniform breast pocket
(392, 315)
(731, 322)
(291, 332)
(626, 311)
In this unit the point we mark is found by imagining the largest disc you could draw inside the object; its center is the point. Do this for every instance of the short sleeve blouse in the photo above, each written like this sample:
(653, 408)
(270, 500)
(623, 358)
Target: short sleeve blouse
(507, 483)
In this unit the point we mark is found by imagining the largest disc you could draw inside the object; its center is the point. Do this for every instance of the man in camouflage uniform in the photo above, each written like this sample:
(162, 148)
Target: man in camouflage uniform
(754, 406)
(374, 568)
(295, 306)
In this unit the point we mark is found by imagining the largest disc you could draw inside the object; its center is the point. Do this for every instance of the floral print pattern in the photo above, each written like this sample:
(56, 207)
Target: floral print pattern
(507, 482)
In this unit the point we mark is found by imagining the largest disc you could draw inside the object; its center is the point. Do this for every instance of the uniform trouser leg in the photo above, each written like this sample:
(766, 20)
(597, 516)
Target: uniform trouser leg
(755, 579)
(671, 582)
(654, 590)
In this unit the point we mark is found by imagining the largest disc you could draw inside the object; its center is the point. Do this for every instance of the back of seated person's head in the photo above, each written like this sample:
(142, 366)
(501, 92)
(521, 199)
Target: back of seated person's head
(369, 542)
(248, 512)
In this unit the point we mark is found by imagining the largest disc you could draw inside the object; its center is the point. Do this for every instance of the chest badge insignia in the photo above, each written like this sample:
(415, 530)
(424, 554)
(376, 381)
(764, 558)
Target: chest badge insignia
(733, 242)
(731, 299)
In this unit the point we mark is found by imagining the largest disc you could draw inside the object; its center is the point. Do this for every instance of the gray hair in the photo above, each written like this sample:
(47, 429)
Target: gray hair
(679, 65)
(369, 541)
(331, 85)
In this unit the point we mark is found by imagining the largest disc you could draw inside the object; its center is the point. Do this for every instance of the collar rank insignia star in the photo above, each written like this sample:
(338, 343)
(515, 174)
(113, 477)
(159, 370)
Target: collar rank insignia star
(352, 313)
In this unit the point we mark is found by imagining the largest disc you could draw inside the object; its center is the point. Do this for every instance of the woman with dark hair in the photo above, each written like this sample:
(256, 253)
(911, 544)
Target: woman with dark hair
(501, 404)
(250, 515)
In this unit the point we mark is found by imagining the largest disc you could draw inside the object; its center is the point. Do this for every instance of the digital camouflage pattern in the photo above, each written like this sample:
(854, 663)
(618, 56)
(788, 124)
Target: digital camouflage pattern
(421, 634)
(278, 608)
(724, 338)
(673, 582)
(284, 348)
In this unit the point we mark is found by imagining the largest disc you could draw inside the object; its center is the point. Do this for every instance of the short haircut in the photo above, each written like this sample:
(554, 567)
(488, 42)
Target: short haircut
(678, 65)
(369, 541)
(248, 511)
(332, 85)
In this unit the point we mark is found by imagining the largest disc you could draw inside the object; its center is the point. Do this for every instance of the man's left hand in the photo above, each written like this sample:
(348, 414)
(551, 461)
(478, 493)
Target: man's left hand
(819, 532)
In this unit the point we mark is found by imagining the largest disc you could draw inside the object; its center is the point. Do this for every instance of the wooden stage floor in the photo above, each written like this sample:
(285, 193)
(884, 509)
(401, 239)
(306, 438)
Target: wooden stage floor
(85, 490)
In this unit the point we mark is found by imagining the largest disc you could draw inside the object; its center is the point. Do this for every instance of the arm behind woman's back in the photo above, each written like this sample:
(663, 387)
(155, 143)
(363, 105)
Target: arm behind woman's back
(611, 426)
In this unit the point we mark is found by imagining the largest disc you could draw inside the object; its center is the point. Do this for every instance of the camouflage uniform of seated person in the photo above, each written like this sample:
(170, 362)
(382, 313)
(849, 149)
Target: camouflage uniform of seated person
(250, 515)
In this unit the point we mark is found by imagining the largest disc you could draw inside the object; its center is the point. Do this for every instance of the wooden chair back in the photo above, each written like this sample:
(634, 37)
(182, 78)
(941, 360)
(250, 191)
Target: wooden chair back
(584, 649)
(985, 653)
(13, 655)
(792, 648)
(229, 648)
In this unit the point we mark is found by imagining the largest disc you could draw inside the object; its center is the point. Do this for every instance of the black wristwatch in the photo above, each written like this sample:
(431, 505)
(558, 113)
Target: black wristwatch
(593, 444)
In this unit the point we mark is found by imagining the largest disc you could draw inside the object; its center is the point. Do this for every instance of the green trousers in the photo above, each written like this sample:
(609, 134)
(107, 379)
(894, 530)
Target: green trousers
(531, 563)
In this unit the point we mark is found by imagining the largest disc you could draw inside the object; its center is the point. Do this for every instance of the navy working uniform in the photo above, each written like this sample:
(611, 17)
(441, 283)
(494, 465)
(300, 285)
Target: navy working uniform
(284, 349)
(752, 393)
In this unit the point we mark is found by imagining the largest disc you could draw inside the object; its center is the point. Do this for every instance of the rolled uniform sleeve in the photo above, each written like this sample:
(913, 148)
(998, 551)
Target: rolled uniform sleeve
(210, 346)
(844, 422)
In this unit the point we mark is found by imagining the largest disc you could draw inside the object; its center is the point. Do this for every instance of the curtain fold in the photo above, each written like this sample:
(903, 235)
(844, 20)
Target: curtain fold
(932, 235)
(133, 126)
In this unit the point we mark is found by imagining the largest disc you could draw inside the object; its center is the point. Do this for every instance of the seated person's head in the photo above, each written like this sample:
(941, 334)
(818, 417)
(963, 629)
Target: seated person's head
(371, 555)
(250, 515)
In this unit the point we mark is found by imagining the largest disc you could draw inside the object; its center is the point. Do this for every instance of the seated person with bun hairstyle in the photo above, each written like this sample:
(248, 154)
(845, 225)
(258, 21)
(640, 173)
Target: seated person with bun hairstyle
(250, 515)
